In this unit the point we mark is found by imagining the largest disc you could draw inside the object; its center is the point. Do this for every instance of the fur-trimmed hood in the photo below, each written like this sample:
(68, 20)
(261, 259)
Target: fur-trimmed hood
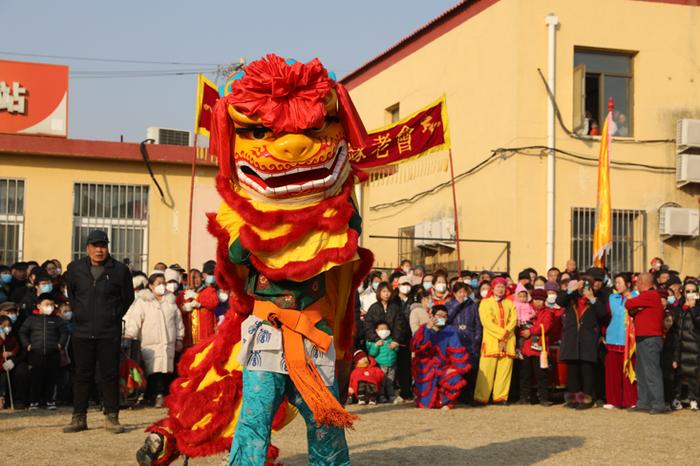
(147, 295)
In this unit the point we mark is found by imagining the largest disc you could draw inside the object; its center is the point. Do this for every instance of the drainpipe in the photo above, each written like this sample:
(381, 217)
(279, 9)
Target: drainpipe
(358, 196)
(552, 21)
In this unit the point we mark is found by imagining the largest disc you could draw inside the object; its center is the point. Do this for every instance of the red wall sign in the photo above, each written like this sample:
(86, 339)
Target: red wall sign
(33, 98)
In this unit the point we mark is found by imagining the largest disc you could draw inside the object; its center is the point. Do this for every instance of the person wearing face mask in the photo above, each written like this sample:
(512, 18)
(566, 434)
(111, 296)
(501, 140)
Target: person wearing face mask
(498, 318)
(64, 384)
(199, 321)
(404, 291)
(686, 351)
(583, 316)
(463, 315)
(559, 368)
(5, 281)
(620, 386)
(674, 285)
(213, 298)
(43, 285)
(386, 355)
(421, 305)
(484, 289)
(42, 335)
(441, 362)
(369, 294)
(155, 320)
(439, 290)
(9, 349)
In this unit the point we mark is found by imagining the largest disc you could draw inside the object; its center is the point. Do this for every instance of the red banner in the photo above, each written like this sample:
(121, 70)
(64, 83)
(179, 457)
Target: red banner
(207, 95)
(421, 133)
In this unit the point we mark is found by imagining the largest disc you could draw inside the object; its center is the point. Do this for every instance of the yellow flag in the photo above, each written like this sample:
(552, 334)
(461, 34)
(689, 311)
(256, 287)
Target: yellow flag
(602, 236)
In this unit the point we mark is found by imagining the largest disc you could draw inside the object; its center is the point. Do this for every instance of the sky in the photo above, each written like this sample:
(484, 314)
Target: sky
(342, 34)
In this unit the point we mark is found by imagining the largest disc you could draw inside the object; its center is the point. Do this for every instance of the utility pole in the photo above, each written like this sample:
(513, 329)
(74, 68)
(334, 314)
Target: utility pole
(223, 71)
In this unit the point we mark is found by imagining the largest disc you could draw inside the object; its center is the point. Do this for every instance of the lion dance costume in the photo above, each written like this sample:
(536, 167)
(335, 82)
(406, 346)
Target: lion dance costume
(287, 233)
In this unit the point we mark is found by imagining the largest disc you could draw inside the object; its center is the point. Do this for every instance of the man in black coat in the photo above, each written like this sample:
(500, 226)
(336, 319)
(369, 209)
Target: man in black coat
(100, 291)
(580, 339)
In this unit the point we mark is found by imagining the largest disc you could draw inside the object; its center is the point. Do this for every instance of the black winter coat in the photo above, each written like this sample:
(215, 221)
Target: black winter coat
(44, 333)
(580, 339)
(394, 316)
(686, 324)
(99, 305)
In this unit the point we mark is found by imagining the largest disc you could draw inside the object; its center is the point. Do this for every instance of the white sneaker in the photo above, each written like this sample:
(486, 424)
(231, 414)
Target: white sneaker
(608, 406)
(398, 400)
(677, 406)
(362, 402)
(51, 405)
(372, 403)
(33, 406)
(693, 405)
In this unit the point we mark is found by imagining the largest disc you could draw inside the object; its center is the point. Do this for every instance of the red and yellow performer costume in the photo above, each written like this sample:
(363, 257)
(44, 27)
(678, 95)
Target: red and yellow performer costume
(287, 252)
(198, 314)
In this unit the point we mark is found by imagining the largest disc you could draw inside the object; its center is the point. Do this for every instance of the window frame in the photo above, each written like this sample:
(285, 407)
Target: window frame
(8, 219)
(581, 242)
(122, 219)
(602, 100)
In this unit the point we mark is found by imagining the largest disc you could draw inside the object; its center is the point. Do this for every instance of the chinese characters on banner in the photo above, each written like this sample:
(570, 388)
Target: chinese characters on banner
(12, 97)
(423, 132)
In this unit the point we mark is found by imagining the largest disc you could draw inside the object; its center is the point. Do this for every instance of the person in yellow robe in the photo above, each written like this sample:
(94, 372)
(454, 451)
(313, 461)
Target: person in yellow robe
(498, 318)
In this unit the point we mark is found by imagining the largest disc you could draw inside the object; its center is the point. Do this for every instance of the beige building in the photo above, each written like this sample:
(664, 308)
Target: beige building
(484, 56)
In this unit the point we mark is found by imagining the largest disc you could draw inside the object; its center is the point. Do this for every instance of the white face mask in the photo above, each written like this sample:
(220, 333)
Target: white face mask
(171, 287)
(427, 285)
(47, 310)
(383, 334)
(159, 289)
(405, 289)
(440, 287)
(223, 296)
(484, 293)
(68, 315)
(551, 298)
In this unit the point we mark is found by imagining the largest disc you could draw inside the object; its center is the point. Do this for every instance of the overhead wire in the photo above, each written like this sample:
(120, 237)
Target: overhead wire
(106, 60)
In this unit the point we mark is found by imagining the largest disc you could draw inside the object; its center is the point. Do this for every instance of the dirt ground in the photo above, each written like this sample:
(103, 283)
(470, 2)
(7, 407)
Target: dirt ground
(391, 435)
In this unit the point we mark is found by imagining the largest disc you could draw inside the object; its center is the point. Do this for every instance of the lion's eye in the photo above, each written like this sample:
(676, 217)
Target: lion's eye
(257, 132)
(327, 120)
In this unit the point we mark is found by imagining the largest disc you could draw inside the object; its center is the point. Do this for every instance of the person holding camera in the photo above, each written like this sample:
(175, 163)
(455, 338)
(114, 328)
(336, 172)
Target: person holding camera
(579, 342)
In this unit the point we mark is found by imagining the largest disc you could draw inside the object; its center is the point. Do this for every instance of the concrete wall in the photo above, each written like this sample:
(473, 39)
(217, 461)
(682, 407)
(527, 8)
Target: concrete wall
(48, 208)
(487, 68)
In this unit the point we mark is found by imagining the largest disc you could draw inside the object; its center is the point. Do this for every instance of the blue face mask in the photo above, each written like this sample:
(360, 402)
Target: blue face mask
(375, 285)
(210, 280)
(13, 317)
(47, 288)
(6, 278)
(671, 299)
(474, 282)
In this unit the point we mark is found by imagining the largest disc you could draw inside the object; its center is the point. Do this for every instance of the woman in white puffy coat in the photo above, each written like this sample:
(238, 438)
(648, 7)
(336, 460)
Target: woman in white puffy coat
(155, 320)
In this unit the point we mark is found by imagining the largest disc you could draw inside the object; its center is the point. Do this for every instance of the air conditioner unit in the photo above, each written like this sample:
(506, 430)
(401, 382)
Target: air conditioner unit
(687, 169)
(687, 135)
(175, 137)
(677, 221)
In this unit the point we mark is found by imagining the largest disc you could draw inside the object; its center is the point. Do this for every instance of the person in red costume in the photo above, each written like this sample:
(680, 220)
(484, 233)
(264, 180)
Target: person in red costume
(365, 379)
(199, 319)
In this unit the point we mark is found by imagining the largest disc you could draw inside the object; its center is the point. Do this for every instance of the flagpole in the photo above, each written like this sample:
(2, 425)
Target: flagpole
(456, 220)
(189, 226)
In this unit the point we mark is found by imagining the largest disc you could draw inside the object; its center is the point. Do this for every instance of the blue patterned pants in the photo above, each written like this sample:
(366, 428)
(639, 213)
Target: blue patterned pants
(263, 392)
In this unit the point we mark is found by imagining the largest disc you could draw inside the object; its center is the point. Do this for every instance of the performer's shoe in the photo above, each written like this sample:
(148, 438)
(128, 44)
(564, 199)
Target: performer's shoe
(78, 423)
(150, 450)
(112, 424)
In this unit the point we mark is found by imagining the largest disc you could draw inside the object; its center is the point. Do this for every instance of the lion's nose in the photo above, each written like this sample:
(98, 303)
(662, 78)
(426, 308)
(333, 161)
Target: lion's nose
(292, 147)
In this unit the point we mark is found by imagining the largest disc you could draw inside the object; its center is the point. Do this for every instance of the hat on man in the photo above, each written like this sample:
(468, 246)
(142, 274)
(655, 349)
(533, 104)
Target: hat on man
(405, 279)
(171, 274)
(177, 267)
(8, 306)
(551, 286)
(97, 236)
(209, 267)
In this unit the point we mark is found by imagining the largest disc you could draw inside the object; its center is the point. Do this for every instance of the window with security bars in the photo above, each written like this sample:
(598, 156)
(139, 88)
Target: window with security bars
(121, 211)
(11, 220)
(628, 252)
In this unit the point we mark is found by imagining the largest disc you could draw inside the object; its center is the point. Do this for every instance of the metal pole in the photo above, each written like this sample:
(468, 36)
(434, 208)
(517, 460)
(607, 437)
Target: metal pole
(189, 226)
(552, 21)
(454, 202)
